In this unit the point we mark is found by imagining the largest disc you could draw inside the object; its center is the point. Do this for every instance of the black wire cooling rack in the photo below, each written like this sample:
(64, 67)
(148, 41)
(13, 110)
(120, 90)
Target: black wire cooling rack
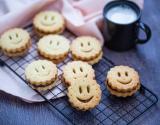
(111, 110)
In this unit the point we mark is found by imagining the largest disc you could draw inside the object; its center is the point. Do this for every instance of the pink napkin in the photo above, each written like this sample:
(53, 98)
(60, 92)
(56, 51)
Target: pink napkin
(83, 17)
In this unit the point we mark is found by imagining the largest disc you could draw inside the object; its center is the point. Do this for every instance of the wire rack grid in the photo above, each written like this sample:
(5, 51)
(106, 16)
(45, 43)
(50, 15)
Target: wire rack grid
(111, 110)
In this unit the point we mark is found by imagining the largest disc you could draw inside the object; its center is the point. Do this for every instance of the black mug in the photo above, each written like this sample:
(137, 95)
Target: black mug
(121, 37)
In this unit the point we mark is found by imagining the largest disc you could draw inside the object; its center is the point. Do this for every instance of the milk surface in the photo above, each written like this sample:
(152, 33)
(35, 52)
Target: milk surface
(121, 14)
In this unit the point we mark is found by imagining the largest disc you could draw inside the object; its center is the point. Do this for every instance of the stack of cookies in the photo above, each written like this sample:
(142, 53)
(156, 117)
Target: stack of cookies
(84, 92)
(54, 47)
(48, 22)
(87, 49)
(41, 74)
(122, 81)
(15, 42)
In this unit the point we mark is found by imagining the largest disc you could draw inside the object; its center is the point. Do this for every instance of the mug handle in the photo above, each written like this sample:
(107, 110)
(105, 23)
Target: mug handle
(147, 31)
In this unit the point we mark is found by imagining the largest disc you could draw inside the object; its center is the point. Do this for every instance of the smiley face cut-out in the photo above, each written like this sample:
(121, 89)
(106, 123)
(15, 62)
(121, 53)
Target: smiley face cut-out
(123, 78)
(54, 46)
(86, 47)
(76, 69)
(41, 71)
(14, 39)
(48, 21)
(84, 94)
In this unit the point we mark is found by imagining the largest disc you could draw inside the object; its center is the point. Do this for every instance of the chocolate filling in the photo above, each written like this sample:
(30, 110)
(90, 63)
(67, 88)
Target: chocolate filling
(48, 32)
(90, 59)
(42, 85)
(122, 91)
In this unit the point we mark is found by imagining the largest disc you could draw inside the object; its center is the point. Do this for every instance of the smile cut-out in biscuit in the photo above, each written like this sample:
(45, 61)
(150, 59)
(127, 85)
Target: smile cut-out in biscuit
(76, 69)
(122, 78)
(53, 46)
(84, 93)
(48, 20)
(14, 38)
(41, 71)
(86, 47)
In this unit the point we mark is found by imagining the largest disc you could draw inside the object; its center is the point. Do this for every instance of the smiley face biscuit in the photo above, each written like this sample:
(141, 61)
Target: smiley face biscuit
(41, 74)
(87, 49)
(84, 94)
(122, 81)
(48, 22)
(76, 69)
(15, 42)
(54, 47)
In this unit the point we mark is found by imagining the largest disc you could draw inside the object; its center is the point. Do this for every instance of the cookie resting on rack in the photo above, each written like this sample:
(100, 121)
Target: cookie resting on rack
(48, 22)
(54, 47)
(122, 81)
(84, 94)
(87, 49)
(41, 74)
(15, 42)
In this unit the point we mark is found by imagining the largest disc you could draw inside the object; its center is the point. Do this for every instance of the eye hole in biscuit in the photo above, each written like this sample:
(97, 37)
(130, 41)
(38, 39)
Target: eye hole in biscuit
(17, 35)
(43, 67)
(45, 17)
(88, 88)
(81, 44)
(10, 37)
(74, 71)
(36, 70)
(119, 74)
(52, 18)
(80, 89)
(81, 69)
(126, 73)
(89, 43)
(86, 75)
(58, 43)
(50, 42)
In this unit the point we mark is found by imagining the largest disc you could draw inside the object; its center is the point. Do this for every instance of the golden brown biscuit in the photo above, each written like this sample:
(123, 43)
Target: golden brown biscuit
(48, 22)
(15, 42)
(122, 78)
(86, 48)
(122, 81)
(84, 94)
(54, 47)
(41, 73)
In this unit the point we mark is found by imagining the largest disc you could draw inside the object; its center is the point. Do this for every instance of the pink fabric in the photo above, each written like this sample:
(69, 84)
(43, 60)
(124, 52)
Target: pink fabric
(83, 17)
